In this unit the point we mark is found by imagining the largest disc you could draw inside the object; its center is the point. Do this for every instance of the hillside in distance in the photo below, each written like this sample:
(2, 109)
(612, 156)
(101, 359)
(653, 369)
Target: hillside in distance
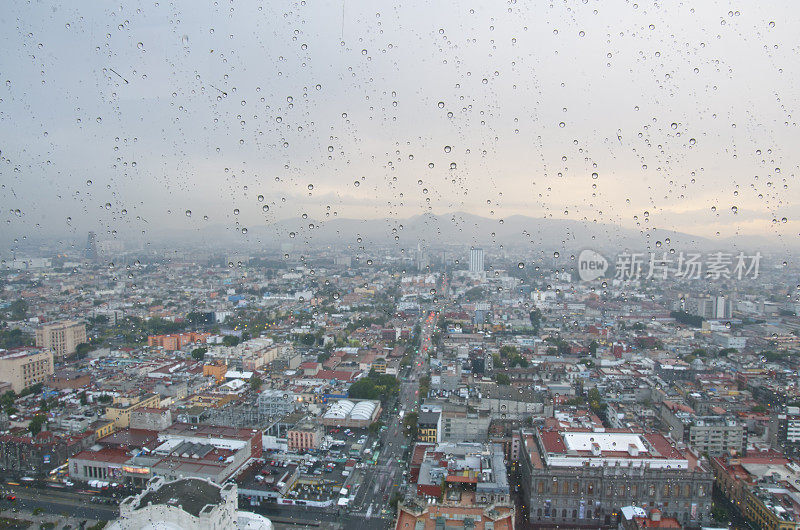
(464, 229)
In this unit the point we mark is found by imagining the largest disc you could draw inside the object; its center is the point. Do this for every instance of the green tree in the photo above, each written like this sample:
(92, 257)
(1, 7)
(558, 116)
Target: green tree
(375, 427)
(198, 354)
(256, 382)
(230, 340)
(536, 320)
(593, 347)
(410, 424)
(502, 379)
(364, 388)
(685, 318)
(14, 338)
(36, 424)
(18, 310)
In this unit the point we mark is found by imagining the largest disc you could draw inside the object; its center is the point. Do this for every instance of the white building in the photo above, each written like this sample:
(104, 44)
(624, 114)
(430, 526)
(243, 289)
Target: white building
(476, 260)
(186, 504)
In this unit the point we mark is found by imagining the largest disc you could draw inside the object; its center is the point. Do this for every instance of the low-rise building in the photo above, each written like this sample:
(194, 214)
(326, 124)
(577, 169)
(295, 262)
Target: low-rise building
(120, 411)
(187, 504)
(582, 477)
(305, 436)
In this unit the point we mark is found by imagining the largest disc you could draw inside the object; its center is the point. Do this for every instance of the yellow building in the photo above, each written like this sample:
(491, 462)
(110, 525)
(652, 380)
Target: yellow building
(379, 365)
(120, 411)
(429, 427)
(102, 428)
(25, 368)
(765, 509)
(61, 337)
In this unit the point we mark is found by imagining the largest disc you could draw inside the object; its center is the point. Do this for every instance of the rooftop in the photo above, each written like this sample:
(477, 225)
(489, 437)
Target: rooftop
(190, 494)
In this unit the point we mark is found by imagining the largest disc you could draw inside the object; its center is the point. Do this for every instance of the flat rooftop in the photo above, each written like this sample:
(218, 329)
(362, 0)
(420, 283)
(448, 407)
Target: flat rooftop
(191, 494)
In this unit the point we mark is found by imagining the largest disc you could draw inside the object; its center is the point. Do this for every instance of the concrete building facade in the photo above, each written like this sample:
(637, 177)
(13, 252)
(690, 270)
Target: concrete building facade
(25, 367)
(61, 337)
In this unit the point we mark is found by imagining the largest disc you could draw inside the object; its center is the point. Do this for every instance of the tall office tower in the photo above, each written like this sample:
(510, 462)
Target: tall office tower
(476, 260)
(91, 247)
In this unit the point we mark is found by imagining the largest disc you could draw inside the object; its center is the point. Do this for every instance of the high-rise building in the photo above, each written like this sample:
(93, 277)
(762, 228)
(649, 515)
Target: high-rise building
(476, 260)
(61, 337)
(25, 367)
(90, 252)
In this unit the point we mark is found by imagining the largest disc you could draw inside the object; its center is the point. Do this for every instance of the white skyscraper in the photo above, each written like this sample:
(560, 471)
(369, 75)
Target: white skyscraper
(476, 260)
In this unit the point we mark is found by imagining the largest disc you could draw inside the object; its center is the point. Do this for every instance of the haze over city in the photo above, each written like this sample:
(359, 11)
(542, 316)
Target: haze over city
(684, 112)
(325, 265)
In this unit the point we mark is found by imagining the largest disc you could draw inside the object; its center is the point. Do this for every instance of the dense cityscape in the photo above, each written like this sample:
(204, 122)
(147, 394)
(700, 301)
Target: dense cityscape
(335, 265)
(448, 386)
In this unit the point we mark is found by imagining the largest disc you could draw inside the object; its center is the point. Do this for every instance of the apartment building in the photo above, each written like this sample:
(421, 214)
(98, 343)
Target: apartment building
(714, 435)
(122, 408)
(25, 367)
(61, 337)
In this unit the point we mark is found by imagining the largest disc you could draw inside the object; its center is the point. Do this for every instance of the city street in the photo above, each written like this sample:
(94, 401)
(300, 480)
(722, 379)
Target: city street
(60, 502)
(378, 483)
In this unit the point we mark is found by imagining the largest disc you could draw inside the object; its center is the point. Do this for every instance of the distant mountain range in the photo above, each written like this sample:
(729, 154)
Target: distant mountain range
(461, 228)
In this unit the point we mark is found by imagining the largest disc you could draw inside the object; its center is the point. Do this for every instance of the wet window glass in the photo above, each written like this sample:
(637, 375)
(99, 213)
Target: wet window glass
(399, 265)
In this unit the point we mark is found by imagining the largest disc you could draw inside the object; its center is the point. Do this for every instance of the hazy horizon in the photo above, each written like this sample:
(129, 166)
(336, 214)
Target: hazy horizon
(135, 120)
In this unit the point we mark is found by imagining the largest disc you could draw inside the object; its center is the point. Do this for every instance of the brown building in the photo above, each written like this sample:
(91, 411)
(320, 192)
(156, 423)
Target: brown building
(69, 379)
(305, 436)
(61, 337)
(24, 367)
(177, 341)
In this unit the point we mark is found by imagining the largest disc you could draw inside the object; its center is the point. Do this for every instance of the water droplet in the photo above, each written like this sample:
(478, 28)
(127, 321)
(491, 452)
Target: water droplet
(356, 183)
(447, 149)
(236, 211)
(265, 208)
(188, 213)
(520, 265)
(441, 104)
(692, 141)
(140, 45)
(556, 254)
(594, 176)
(310, 187)
(260, 198)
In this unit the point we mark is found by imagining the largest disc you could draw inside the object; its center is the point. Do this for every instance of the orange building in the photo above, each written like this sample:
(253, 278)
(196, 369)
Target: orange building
(177, 340)
(216, 370)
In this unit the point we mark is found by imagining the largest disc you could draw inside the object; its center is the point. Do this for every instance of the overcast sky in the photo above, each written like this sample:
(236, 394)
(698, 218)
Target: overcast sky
(127, 116)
